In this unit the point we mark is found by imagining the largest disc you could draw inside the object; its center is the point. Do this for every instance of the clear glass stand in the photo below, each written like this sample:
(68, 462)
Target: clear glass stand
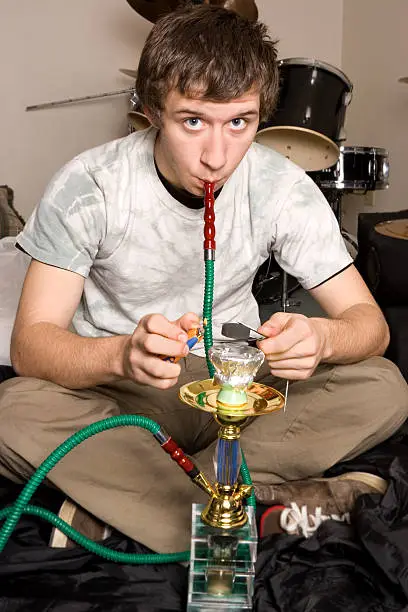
(222, 565)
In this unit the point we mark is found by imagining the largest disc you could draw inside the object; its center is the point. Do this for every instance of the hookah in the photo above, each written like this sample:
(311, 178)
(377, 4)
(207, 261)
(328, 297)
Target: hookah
(224, 536)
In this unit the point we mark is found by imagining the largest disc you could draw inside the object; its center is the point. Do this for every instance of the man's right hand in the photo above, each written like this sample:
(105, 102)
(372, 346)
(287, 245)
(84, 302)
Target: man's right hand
(155, 337)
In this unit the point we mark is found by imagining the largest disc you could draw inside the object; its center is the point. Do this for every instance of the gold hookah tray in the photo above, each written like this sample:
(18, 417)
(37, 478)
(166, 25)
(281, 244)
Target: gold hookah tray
(202, 394)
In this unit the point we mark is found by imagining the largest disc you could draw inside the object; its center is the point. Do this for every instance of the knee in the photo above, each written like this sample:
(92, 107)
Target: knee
(16, 412)
(37, 415)
(388, 386)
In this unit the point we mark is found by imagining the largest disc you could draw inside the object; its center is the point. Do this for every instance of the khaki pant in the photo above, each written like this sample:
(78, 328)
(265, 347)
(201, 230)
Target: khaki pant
(125, 478)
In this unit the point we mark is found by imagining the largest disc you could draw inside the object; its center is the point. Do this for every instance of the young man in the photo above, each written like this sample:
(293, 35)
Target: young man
(116, 247)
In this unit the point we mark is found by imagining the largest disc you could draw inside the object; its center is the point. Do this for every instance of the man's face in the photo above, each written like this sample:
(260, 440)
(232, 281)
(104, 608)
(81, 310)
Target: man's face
(202, 141)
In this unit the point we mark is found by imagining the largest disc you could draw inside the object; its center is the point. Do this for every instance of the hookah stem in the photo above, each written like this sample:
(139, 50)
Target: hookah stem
(209, 259)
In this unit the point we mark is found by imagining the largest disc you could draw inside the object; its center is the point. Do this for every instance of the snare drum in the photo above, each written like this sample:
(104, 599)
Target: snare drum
(357, 169)
(308, 122)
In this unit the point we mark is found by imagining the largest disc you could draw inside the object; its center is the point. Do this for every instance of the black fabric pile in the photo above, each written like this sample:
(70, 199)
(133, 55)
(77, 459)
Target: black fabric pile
(361, 567)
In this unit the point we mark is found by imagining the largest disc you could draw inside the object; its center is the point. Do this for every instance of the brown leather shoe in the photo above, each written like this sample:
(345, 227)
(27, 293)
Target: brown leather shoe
(335, 496)
(81, 520)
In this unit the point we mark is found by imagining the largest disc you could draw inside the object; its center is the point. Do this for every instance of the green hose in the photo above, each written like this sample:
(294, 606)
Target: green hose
(94, 547)
(13, 513)
(207, 311)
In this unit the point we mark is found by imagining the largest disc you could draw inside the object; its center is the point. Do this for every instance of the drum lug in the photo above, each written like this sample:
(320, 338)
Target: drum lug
(292, 304)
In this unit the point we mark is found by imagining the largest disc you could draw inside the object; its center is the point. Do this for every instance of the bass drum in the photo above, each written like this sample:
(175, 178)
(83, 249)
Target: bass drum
(308, 122)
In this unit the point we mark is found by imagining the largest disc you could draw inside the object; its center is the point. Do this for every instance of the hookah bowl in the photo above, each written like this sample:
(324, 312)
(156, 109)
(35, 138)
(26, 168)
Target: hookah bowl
(224, 536)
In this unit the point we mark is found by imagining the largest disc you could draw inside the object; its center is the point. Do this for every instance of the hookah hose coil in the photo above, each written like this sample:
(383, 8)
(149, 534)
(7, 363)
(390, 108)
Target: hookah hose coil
(11, 515)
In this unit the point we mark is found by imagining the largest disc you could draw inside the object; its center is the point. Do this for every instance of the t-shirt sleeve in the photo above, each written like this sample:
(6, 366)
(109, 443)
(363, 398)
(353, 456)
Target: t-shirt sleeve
(69, 224)
(307, 240)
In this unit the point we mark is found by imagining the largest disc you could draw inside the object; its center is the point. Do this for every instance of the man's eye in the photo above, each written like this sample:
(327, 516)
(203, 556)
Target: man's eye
(238, 123)
(193, 123)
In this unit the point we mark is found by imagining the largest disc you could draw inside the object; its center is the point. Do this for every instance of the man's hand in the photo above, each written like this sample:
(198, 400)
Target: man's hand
(153, 338)
(294, 346)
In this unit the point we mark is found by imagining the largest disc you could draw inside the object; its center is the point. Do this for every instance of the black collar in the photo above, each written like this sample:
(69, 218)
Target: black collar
(181, 195)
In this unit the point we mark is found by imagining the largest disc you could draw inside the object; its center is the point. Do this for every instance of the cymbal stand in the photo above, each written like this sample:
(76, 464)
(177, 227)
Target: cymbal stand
(34, 107)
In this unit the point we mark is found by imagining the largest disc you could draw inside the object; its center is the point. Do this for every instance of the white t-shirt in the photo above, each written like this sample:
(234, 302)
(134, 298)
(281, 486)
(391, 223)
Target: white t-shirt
(107, 216)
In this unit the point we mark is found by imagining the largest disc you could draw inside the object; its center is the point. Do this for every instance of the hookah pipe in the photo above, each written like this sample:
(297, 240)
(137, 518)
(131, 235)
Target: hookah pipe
(11, 514)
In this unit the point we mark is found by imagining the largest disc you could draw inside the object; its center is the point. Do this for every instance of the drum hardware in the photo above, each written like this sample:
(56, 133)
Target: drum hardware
(138, 121)
(129, 73)
(263, 279)
(308, 122)
(351, 243)
(285, 301)
(283, 285)
(44, 105)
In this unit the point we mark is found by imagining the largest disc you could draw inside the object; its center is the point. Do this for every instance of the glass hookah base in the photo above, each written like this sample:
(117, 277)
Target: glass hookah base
(222, 565)
(203, 394)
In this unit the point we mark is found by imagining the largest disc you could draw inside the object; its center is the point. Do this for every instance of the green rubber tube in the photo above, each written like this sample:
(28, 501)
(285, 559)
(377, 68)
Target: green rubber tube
(20, 506)
(207, 311)
(94, 547)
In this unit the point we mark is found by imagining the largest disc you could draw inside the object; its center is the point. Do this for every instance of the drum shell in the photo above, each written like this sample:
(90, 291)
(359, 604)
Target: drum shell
(358, 169)
(312, 95)
(382, 260)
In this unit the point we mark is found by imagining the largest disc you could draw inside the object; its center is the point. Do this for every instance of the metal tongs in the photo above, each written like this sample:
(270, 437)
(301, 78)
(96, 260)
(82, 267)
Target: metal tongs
(239, 331)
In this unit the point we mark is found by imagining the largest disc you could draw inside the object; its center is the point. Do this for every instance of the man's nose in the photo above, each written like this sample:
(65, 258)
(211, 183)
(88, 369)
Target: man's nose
(214, 154)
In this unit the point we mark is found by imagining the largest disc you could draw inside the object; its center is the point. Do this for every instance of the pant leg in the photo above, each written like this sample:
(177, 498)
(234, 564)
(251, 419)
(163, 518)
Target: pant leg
(122, 475)
(335, 415)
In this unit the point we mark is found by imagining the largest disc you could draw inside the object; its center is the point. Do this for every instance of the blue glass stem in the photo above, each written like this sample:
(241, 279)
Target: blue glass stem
(228, 459)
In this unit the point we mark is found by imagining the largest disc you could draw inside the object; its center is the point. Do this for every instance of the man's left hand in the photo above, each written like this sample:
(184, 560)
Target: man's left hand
(294, 345)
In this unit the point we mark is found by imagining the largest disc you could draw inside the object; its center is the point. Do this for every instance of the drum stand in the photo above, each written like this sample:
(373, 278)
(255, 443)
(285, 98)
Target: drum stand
(286, 302)
(334, 197)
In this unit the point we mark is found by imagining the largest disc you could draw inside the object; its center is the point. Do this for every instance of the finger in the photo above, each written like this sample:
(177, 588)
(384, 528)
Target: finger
(296, 330)
(158, 345)
(158, 383)
(281, 344)
(292, 364)
(300, 350)
(155, 368)
(188, 321)
(275, 325)
(158, 324)
(292, 374)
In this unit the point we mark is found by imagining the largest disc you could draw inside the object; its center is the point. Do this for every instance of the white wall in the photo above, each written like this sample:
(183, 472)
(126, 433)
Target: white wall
(375, 54)
(51, 50)
(312, 29)
(54, 49)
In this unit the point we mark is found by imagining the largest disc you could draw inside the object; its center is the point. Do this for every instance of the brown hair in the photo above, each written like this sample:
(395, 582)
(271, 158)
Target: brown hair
(207, 52)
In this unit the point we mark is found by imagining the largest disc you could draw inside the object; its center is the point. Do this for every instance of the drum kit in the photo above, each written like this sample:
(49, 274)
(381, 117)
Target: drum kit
(308, 128)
